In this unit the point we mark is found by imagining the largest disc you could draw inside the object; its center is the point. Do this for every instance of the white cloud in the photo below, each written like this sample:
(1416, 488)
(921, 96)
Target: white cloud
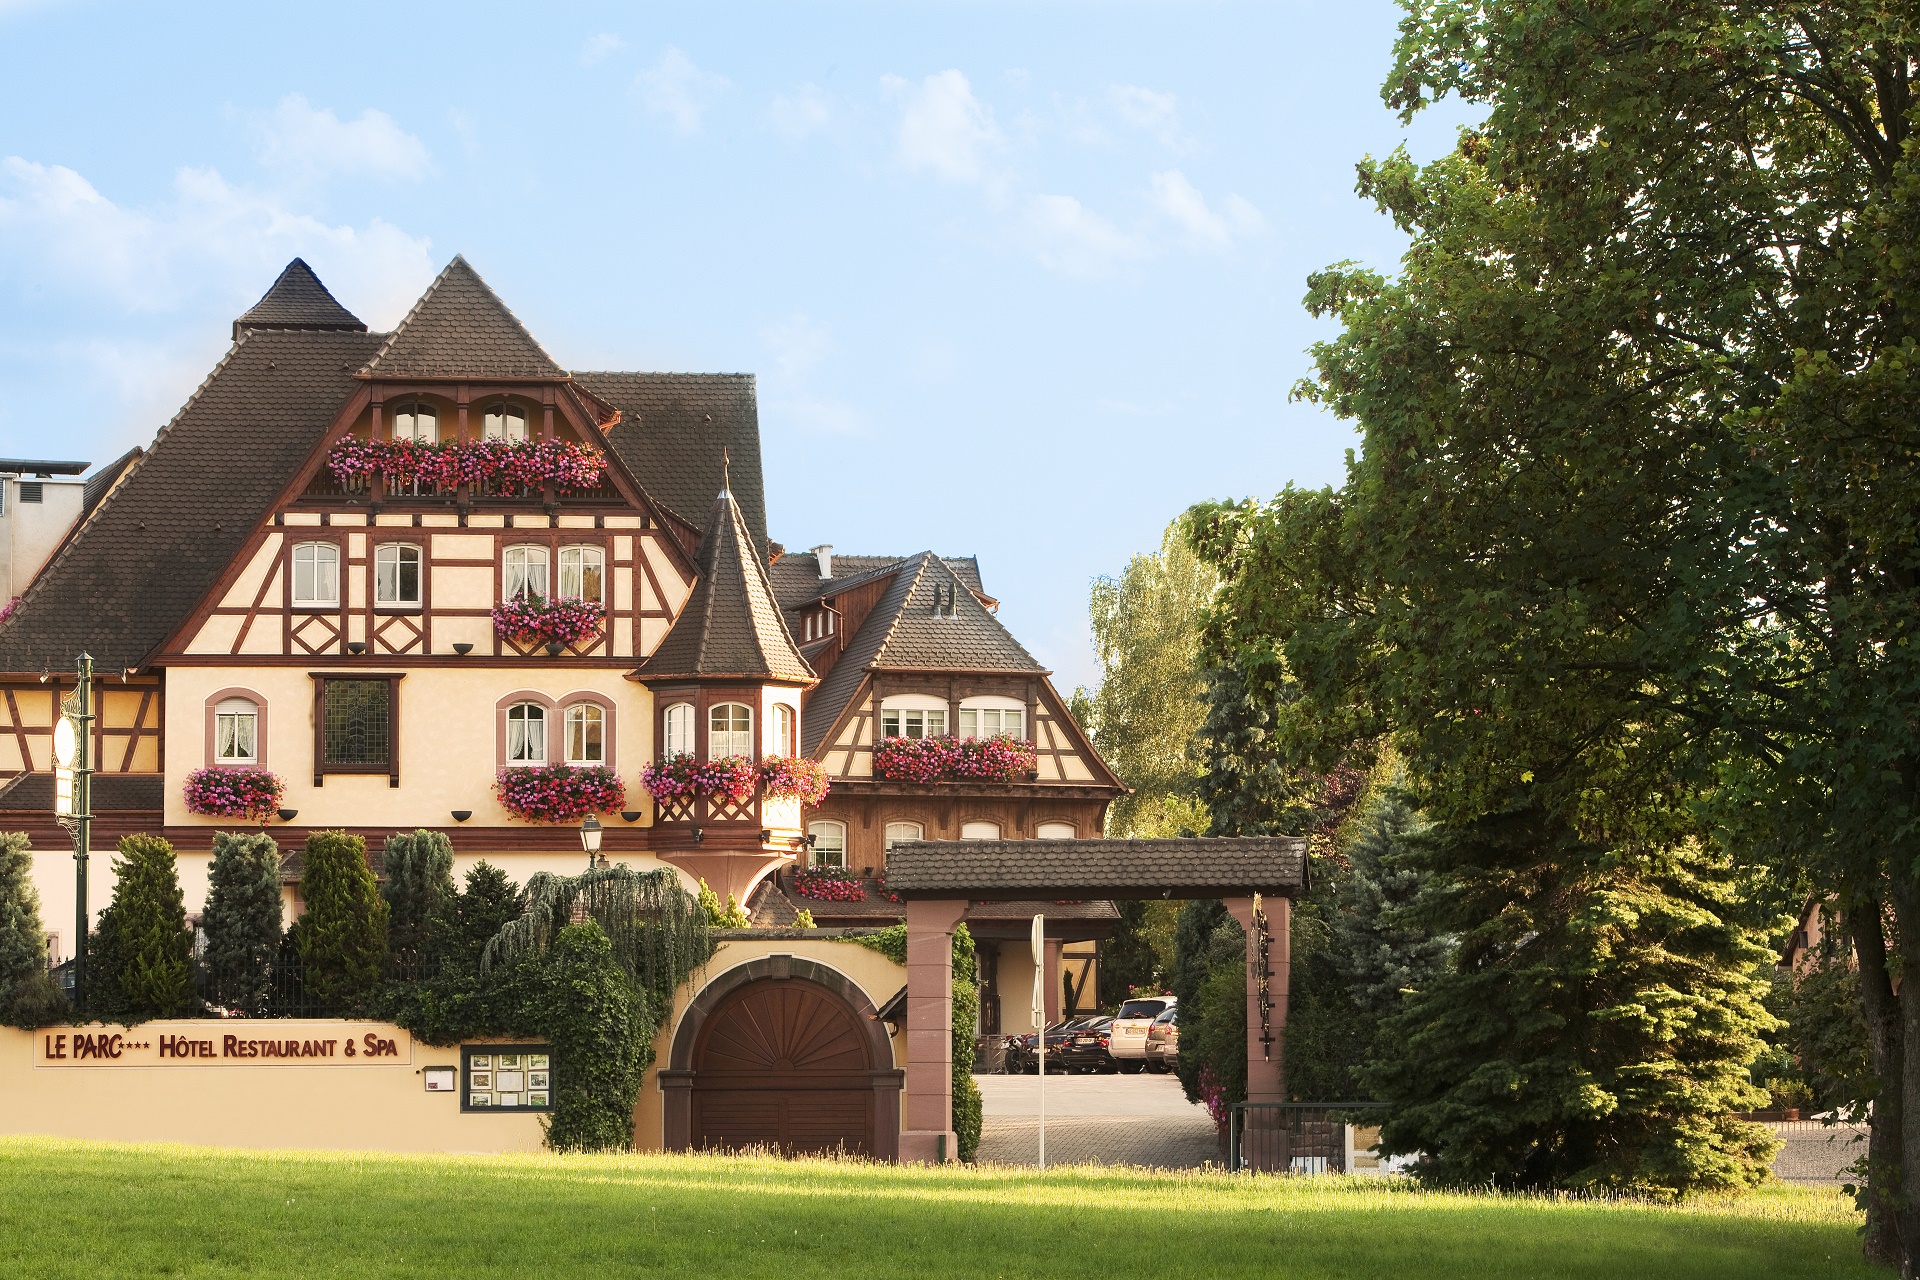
(211, 244)
(945, 130)
(598, 47)
(1181, 202)
(677, 90)
(799, 343)
(1149, 109)
(800, 113)
(309, 142)
(1072, 239)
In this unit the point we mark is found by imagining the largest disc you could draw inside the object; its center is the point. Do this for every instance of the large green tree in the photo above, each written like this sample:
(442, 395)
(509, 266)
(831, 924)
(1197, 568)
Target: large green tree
(1630, 539)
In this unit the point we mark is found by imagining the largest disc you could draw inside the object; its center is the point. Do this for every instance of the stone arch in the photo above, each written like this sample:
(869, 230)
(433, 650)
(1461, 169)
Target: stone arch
(883, 1079)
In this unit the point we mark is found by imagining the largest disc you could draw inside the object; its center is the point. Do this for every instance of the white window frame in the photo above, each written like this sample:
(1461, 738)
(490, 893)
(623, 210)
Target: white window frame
(737, 738)
(786, 731)
(574, 562)
(912, 722)
(408, 419)
(503, 422)
(315, 554)
(896, 833)
(992, 722)
(575, 720)
(676, 731)
(394, 555)
(1053, 831)
(978, 833)
(517, 572)
(531, 748)
(242, 717)
(829, 843)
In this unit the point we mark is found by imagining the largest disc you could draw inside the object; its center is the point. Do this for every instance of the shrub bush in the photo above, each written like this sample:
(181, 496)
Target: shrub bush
(24, 986)
(342, 938)
(140, 963)
(242, 920)
(419, 887)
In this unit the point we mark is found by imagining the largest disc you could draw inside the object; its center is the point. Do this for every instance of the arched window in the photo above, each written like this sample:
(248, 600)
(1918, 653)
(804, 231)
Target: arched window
(829, 843)
(526, 733)
(586, 734)
(784, 722)
(396, 575)
(729, 730)
(416, 422)
(504, 422)
(583, 570)
(903, 832)
(236, 732)
(980, 831)
(1054, 831)
(677, 740)
(524, 573)
(316, 575)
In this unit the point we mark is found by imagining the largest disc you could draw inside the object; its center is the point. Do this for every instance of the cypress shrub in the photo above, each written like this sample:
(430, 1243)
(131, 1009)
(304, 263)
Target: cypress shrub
(142, 965)
(418, 890)
(242, 920)
(342, 937)
(28, 997)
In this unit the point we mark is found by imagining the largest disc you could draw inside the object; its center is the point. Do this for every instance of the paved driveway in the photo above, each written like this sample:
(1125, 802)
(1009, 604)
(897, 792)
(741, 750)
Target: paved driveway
(1131, 1120)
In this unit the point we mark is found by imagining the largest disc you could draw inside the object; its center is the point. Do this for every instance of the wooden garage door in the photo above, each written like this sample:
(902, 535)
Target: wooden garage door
(783, 1063)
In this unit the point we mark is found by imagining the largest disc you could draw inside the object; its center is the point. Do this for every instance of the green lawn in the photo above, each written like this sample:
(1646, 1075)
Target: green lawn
(89, 1209)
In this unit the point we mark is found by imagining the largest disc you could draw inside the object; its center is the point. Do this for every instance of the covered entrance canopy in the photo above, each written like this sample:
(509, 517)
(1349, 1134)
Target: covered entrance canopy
(1256, 876)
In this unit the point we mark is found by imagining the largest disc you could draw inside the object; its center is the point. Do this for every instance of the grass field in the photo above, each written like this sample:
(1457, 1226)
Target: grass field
(89, 1209)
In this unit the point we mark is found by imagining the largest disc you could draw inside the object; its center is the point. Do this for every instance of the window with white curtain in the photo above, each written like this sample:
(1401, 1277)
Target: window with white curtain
(504, 422)
(912, 722)
(586, 734)
(416, 422)
(989, 722)
(524, 573)
(677, 740)
(316, 574)
(903, 832)
(784, 722)
(396, 574)
(729, 730)
(583, 571)
(829, 843)
(526, 733)
(236, 727)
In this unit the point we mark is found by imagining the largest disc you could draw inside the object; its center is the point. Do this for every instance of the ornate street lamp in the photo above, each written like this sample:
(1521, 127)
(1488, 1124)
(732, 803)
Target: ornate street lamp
(590, 838)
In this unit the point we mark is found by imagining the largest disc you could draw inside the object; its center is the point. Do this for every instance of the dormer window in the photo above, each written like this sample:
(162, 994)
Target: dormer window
(913, 722)
(992, 722)
(417, 422)
(396, 576)
(504, 422)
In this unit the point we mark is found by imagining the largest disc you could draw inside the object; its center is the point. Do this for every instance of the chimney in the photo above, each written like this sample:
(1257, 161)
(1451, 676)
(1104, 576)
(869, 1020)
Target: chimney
(824, 554)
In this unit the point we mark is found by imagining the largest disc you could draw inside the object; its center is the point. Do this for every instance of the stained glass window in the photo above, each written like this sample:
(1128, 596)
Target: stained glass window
(358, 722)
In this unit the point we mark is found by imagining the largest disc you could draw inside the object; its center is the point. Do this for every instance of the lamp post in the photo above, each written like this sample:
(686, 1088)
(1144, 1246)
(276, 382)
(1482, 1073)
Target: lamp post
(73, 805)
(590, 832)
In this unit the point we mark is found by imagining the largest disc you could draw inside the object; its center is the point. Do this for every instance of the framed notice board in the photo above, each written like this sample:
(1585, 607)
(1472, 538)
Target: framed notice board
(506, 1077)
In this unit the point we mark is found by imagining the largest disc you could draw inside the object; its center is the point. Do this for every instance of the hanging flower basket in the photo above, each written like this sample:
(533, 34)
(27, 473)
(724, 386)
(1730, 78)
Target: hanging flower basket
(510, 466)
(680, 777)
(794, 777)
(532, 620)
(998, 759)
(559, 792)
(234, 791)
(829, 884)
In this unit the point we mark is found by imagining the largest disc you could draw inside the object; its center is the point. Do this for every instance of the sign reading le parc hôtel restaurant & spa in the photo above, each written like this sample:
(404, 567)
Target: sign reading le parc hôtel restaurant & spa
(159, 1044)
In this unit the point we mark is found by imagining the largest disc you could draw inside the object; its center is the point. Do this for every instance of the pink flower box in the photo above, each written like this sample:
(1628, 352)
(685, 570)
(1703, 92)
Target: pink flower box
(829, 884)
(511, 465)
(234, 791)
(794, 777)
(531, 620)
(998, 759)
(559, 792)
(683, 776)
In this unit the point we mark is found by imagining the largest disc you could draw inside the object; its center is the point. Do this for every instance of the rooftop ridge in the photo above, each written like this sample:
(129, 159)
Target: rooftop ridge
(461, 328)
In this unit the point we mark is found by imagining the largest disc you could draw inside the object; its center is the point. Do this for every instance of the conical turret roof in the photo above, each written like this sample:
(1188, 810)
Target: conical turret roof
(461, 329)
(731, 626)
(298, 300)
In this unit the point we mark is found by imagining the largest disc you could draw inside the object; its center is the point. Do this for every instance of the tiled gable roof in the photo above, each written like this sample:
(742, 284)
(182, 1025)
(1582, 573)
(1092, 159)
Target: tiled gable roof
(796, 575)
(461, 329)
(298, 300)
(160, 540)
(1210, 866)
(673, 428)
(730, 625)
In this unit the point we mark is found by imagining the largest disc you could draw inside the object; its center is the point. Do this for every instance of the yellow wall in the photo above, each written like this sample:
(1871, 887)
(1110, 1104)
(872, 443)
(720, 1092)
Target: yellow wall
(866, 968)
(366, 1104)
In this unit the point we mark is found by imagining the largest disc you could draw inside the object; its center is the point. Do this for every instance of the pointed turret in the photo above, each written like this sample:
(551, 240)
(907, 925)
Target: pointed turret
(461, 329)
(731, 627)
(298, 300)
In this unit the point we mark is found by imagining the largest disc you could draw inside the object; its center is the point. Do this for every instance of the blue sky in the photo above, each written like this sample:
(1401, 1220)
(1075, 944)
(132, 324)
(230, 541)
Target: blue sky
(1018, 280)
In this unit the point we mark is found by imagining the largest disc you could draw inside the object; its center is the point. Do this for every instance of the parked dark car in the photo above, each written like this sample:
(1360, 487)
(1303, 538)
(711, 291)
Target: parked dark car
(1085, 1047)
(1020, 1049)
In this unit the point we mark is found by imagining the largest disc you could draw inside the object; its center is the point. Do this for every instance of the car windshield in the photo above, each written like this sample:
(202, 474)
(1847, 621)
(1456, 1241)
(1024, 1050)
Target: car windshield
(1168, 1018)
(1142, 1009)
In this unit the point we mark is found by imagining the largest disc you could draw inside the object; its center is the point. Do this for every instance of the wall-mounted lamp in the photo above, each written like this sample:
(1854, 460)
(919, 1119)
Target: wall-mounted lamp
(287, 815)
(766, 835)
(356, 646)
(630, 815)
(463, 648)
(461, 815)
(698, 835)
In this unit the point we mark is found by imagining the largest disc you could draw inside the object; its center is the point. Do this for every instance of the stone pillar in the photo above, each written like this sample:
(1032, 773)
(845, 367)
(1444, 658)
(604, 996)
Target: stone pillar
(1265, 1143)
(929, 1135)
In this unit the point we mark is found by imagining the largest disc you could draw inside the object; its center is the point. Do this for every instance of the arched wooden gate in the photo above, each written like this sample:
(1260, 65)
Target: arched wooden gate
(782, 1053)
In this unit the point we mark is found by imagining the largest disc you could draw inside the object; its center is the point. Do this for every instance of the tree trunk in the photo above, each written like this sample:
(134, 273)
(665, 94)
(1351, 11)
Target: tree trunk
(1885, 1137)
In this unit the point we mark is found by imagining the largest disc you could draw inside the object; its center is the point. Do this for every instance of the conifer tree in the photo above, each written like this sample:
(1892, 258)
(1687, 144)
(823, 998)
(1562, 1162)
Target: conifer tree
(1378, 952)
(419, 888)
(490, 901)
(342, 937)
(242, 920)
(28, 997)
(1594, 1026)
(142, 967)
